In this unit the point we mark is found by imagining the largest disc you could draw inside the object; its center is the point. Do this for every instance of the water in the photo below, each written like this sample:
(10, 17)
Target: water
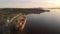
(44, 22)
(47, 21)
(54, 15)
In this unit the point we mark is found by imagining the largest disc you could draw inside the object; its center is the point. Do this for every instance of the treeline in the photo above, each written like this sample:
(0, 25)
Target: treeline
(21, 10)
(4, 12)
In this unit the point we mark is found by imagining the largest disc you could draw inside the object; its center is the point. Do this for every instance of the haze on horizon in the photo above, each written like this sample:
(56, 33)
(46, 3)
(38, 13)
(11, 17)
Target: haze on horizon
(29, 3)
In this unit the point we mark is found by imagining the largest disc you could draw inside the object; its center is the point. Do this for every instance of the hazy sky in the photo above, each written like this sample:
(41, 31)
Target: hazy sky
(29, 3)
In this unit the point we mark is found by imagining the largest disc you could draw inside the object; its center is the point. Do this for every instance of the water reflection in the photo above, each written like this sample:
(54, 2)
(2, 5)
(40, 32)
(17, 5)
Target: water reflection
(47, 22)
(44, 23)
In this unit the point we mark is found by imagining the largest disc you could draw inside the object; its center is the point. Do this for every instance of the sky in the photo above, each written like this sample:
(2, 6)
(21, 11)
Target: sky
(29, 3)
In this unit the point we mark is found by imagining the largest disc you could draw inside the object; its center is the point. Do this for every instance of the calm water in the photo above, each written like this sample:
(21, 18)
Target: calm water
(47, 20)
(54, 15)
